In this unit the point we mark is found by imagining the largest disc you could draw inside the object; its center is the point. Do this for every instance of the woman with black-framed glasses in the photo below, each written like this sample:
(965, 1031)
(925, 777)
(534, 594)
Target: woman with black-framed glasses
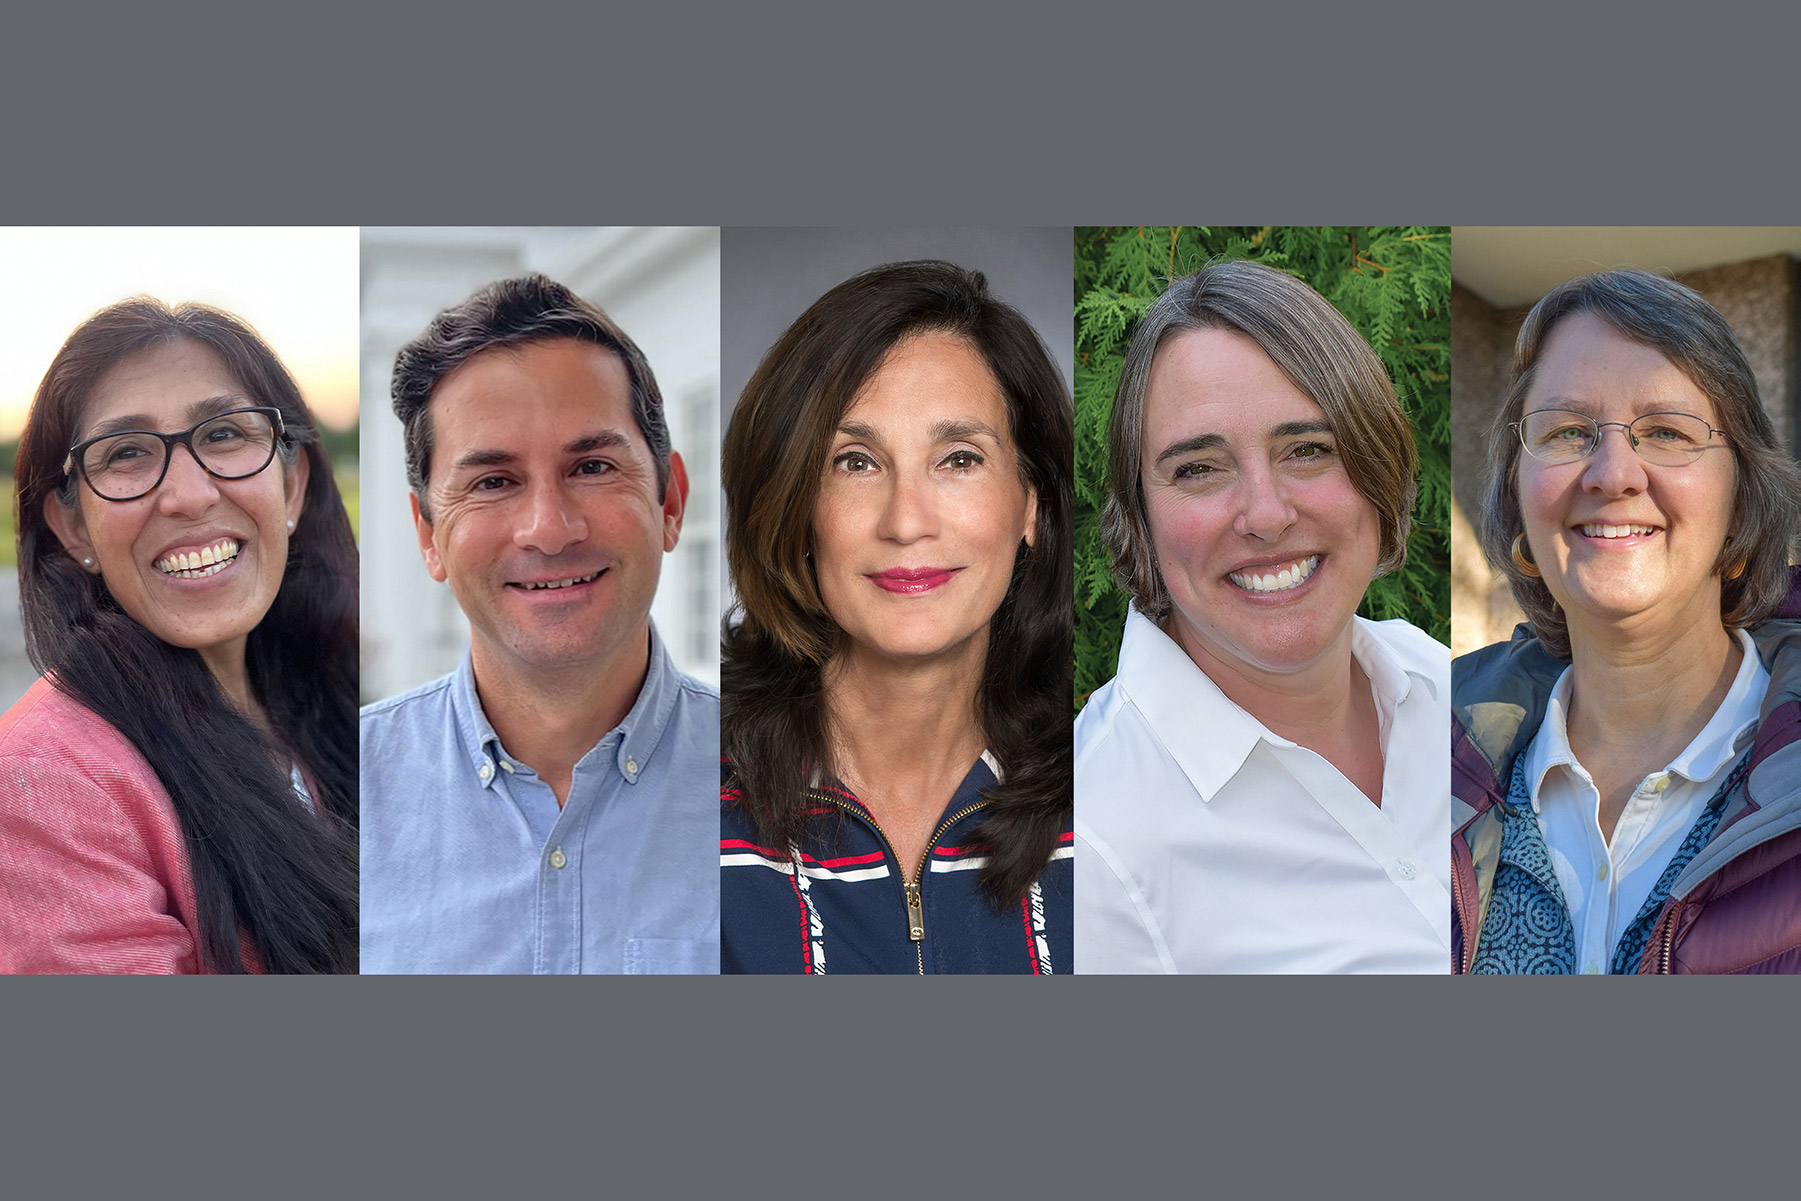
(178, 793)
(1627, 770)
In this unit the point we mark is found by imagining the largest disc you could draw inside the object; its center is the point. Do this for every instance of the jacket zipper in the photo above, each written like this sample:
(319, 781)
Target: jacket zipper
(916, 921)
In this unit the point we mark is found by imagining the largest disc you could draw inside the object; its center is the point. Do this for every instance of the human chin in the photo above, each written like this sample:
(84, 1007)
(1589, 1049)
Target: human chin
(209, 594)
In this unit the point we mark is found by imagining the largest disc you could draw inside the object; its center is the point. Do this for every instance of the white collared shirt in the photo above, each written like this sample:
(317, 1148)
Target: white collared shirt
(1606, 885)
(1207, 843)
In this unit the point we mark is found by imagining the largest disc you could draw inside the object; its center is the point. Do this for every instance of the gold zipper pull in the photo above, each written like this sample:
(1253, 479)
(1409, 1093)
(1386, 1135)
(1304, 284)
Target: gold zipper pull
(916, 920)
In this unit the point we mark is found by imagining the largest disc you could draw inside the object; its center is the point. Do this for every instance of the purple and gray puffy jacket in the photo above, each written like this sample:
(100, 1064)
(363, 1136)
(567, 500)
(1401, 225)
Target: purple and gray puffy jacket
(1736, 908)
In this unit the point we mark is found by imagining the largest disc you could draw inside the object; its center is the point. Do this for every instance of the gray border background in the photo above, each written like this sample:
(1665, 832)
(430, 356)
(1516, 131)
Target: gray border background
(929, 115)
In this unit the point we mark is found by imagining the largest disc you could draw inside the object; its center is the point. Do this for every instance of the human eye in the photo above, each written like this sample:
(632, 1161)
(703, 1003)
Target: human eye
(223, 430)
(124, 450)
(1672, 429)
(490, 483)
(963, 460)
(1309, 452)
(1195, 472)
(854, 462)
(593, 467)
(1552, 428)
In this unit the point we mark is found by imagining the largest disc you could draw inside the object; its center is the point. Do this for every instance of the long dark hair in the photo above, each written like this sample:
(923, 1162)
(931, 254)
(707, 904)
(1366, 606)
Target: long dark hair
(773, 717)
(268, 875)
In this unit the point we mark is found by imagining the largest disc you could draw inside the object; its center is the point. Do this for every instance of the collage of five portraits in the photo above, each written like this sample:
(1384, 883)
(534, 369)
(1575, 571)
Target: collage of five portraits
(1048, 600)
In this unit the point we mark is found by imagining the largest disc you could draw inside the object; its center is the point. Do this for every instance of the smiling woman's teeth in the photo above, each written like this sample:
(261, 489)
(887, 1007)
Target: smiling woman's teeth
(1602, 530)
(1289, 577)
(195, 565)
(561, 583)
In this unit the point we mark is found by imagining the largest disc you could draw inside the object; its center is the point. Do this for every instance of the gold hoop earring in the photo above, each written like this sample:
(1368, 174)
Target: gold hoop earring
(1736, 568)
(1526, 566)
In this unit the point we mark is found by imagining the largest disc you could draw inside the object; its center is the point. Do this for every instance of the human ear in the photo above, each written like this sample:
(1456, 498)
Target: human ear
(428, 545)
(1031, 516)
(675, 501)
(294, 487)
(71, 529)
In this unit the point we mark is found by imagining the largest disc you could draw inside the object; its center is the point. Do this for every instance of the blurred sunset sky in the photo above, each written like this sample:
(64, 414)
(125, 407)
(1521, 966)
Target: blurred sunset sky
(297, 287)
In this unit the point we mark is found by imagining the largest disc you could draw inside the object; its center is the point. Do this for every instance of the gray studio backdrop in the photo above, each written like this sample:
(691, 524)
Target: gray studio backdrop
(768, 277)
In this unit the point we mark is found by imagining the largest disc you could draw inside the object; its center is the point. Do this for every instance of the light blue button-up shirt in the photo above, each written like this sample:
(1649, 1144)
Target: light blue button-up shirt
(468, 865)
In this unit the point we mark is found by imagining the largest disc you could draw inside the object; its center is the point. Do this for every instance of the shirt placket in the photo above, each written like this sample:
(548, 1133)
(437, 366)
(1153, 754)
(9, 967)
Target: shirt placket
(556, 835)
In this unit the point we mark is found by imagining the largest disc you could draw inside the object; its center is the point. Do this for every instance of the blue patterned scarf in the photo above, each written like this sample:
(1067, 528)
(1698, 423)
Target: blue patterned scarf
(1528, 929)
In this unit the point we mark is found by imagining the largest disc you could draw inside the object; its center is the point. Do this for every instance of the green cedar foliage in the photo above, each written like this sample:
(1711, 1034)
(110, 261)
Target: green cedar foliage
(1393, 283)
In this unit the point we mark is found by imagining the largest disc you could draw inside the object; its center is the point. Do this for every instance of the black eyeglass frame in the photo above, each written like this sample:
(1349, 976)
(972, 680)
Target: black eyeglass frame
(1519, 431)
(75, 459)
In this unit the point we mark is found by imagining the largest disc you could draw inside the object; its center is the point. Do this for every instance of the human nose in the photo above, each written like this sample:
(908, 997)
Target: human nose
(1614, 466)
(186, 489)
(1264, 510)
(550, 522)
(910, 512)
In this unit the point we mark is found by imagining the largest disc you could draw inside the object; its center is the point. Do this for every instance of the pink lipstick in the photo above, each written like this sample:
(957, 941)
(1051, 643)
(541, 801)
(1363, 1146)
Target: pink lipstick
(912, 579)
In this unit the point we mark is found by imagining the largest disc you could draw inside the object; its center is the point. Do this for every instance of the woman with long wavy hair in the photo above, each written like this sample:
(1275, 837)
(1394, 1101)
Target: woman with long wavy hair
(896, 792)
(178, 792)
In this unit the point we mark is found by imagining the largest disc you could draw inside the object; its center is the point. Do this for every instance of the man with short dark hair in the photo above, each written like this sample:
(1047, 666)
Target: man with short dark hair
(547, 808)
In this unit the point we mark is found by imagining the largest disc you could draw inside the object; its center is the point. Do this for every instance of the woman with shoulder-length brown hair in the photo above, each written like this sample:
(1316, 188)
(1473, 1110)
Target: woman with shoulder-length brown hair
(1627, 770)
(179, 789)
(1261, 786)
(896, 793)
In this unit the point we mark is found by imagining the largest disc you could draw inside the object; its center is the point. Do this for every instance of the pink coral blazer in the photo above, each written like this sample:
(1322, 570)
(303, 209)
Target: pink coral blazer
(94, 874)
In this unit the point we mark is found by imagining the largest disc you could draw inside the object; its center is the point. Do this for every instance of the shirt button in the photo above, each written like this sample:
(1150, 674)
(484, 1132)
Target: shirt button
(1407, 870)
(506, 767)
(1601, 872)
(1663, 782)
(557, 859)
(1591, 970)
(487, 770)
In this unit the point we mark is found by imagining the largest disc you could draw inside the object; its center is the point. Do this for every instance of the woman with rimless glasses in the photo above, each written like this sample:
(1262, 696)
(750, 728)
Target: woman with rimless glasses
(178, 792)
(1627, 770)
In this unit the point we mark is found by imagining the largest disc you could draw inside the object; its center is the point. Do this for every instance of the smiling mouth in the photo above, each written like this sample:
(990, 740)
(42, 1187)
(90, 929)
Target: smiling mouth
(1598, 529)
(1291, 576)
(197, 565)
(549, 585)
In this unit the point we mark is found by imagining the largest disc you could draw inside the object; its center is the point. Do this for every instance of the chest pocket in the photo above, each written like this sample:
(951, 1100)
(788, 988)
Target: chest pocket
(671, 957)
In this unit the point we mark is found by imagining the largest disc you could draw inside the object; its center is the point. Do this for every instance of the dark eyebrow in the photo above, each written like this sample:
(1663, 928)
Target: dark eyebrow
(1289, 429)
(484, 458)
(199, 411)
(599, 440)
(950, 430)
(603, 440)
(947, 430)
(1189, 445)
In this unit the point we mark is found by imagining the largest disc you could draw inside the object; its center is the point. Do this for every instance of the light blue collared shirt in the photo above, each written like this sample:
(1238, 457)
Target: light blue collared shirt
(469, 866)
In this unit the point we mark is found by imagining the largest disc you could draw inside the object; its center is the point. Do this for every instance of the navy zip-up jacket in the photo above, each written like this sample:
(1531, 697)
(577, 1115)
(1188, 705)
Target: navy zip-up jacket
(848, 909)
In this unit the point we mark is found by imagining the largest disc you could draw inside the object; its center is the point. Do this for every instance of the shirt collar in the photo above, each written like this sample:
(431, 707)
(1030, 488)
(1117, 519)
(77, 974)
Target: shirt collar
(1175, 697)
(1178, 701)
(1702, 759)
(633, 741)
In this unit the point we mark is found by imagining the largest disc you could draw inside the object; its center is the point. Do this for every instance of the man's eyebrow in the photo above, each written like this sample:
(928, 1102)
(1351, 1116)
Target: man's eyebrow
(600, 440)
(1190, 445)
(199, 411)
(484, 458)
